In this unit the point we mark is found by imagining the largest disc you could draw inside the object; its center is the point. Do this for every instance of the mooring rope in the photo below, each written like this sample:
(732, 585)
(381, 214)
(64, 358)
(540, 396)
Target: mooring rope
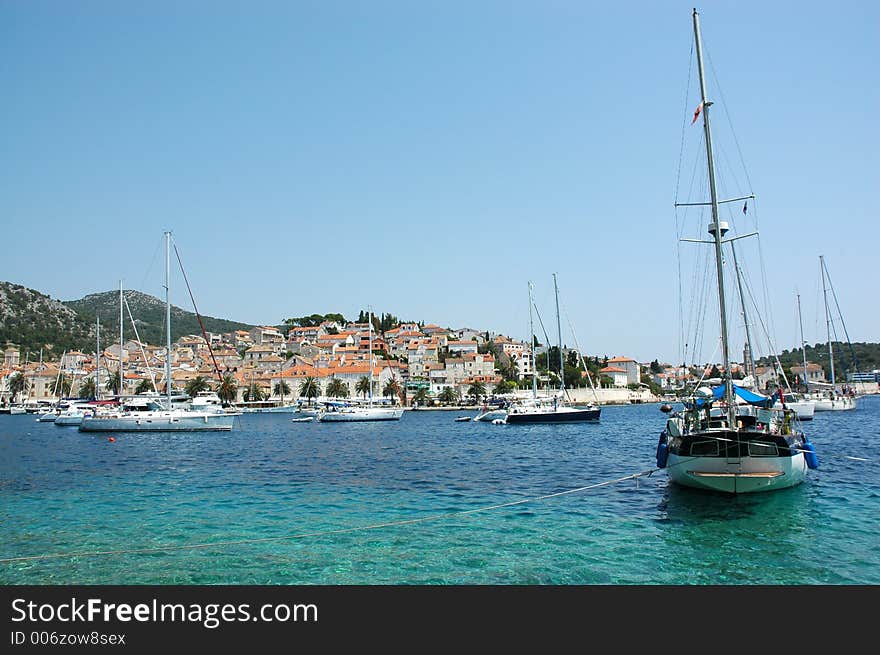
(323, 533)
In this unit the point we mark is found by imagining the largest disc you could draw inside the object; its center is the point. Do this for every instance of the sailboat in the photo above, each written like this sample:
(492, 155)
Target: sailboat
(555, 409)
(716, 443)
(151, 414)
(336, 412)
(829, 397)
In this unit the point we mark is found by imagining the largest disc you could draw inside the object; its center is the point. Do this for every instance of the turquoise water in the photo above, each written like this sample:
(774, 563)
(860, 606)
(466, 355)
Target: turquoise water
(288, 483)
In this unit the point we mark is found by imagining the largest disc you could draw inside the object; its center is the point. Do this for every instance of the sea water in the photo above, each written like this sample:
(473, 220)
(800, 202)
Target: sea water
(281, 502)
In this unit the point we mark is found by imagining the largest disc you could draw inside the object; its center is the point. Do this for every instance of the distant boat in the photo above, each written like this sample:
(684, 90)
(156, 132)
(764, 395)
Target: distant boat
(74, 414)
(829, 397)
(156, 414)
(344, 413)
(715, 443)
(554, 409)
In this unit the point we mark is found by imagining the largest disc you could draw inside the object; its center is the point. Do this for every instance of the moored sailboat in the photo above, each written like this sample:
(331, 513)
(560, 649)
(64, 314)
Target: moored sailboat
(156, 414)
(829, 397)
(555, 409)
(716, 443)
(346, 413)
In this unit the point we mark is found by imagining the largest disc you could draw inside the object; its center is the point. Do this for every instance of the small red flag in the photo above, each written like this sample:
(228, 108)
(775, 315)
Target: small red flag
(697, 113)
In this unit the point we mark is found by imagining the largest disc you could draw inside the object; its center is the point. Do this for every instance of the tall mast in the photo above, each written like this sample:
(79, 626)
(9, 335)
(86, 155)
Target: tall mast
(559, 336)
(168, 317)
(827, 317)
(121, 299)
(370, 337)
(532, 347)
(803, 344)
(716, 228)
(97, 357)
(750, 361)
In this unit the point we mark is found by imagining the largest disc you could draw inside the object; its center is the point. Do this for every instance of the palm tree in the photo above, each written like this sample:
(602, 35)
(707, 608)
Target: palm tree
(503, 387)
(18, 384)
(477, 389)
(228, 389)
(448, 396)
(336, 388)
(143, 386)
(87, 388)
(421, 397)
(363, 386)
(310, 388)
(282, 389)
(197, 384)
(391, 389)
(254, 393)
(65, 384)
(112, 385)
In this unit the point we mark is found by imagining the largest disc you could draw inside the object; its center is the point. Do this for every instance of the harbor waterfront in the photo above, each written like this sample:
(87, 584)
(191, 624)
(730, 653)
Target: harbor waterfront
(281, 502)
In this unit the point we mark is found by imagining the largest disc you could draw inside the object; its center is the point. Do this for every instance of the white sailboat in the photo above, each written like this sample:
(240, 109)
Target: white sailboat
(829, 397)
(715, 443)
(151, 414)
(345, 413)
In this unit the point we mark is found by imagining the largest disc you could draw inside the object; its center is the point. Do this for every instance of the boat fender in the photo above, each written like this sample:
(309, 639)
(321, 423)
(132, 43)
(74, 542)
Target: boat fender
(111, 439)
(662, 451)
(810, 454)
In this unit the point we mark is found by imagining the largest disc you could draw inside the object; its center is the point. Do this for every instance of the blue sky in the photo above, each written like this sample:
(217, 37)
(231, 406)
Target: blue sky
(430, 158)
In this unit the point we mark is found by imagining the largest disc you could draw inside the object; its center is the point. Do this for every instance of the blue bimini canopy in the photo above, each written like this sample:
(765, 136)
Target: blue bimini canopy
(750, 397)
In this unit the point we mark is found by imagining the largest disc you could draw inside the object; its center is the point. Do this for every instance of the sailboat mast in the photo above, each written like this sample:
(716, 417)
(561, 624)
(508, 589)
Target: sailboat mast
(532, 347)
(827, 317)
(715, 228)
(559, 336)
(370, 337)
(803, 343)
(97, 357)
(742, 299)
(168, 317)
(121, 299)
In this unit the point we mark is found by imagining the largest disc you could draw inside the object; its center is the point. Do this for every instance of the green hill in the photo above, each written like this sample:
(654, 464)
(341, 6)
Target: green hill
(149, 317)
(859, 357)
(32, 320)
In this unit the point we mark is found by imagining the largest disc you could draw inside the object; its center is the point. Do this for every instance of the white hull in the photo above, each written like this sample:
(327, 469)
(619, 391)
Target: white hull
(804, 409)
(835, 404)
(737, 474)
(163, 421)
(68, 419)
(491, 415)
(362, 414)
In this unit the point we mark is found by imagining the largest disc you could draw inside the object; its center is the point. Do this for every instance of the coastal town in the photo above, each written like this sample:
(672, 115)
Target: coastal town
(414, 365)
